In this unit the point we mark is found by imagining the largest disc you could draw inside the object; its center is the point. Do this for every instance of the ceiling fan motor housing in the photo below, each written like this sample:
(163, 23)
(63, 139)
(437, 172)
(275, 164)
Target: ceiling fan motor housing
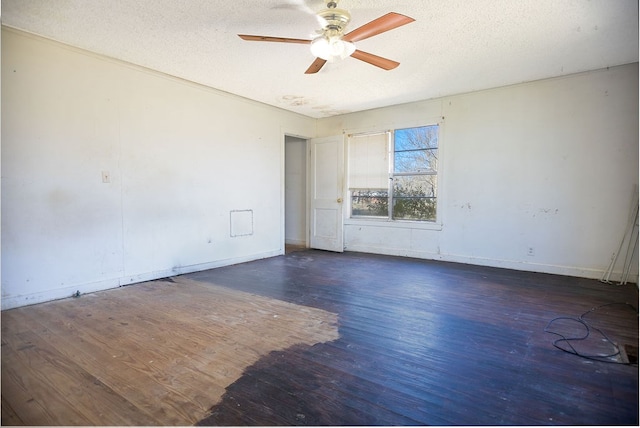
(335, 19)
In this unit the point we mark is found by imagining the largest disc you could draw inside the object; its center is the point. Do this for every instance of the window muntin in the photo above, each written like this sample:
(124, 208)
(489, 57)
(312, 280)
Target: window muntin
(411, 170)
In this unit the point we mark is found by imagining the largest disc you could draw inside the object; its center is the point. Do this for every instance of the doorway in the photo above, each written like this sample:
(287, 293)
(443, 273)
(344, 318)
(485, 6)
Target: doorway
(295, 194)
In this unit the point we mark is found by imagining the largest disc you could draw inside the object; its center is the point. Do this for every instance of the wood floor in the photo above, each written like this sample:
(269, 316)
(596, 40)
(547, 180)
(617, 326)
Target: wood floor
(159, 353)
(420, 343)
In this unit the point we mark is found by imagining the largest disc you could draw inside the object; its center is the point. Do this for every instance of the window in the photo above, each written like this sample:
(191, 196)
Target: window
(415, 173)
(369, 174)
(394, 175)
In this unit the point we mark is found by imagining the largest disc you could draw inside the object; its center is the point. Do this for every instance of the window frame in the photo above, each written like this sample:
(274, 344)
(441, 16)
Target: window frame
(388, 220)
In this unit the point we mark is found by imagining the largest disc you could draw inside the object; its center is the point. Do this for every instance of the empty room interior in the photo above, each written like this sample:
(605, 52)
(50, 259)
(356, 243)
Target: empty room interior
(308, 212)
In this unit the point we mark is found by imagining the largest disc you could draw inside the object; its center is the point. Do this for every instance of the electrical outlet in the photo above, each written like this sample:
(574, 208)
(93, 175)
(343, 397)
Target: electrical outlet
(531, 251)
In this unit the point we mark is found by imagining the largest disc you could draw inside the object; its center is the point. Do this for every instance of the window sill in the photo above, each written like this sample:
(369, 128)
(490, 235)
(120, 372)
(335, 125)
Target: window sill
(398, 224)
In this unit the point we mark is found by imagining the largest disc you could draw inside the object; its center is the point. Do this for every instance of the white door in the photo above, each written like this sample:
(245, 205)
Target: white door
(326, 177)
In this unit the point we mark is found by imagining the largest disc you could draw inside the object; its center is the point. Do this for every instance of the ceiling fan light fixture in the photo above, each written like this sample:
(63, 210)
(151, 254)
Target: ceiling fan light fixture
(331, 48)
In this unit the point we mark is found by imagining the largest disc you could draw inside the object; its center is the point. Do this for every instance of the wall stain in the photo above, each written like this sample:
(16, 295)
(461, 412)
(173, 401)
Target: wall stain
(295, 100)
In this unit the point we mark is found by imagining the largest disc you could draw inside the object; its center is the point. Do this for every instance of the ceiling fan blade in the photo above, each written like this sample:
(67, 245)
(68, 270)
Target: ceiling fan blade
(376, 60)
(385, 23)
(272, 39)
(316, 66)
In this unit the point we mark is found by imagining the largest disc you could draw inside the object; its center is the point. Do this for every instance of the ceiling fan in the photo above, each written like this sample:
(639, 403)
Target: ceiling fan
(332, 43)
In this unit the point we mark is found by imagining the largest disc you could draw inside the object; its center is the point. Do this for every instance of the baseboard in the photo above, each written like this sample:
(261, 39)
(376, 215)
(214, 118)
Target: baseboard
(85, 288)
(59, 293)
(504, 264)
(297, 242)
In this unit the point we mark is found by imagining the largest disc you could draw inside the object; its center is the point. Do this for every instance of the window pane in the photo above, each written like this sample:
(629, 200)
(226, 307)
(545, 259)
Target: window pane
(414, 197)
(415, 186)
(416, 161)
(423, 209)
(369, 161)
(423, 137)
(371, 203)
(416, 149)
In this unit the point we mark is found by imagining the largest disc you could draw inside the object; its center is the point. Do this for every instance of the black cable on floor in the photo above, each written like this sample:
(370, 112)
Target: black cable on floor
(587, 332)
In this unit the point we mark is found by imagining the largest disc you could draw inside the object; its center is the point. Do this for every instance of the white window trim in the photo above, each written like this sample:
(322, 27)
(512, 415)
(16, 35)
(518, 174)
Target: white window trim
(400, 224)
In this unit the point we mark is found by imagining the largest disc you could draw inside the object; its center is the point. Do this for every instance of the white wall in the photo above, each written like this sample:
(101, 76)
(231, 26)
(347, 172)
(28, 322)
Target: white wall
(180, 158)
(550, 165)
(295, 212)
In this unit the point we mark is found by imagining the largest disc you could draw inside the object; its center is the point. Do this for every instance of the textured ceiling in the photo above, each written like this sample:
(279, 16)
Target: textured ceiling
(455, 46)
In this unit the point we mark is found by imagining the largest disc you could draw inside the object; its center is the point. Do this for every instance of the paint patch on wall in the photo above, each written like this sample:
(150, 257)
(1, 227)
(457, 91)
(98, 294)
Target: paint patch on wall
(241, 223)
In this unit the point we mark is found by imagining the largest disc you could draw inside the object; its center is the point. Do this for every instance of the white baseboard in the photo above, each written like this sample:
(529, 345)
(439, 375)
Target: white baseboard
(580, 272)
(57, 294)
(84, 288)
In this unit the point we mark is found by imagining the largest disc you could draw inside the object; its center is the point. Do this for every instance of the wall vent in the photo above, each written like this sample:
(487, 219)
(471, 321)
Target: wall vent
(241, 223)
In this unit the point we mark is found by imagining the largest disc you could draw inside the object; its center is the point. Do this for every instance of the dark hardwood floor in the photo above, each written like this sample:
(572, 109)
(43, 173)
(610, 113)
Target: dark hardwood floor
(432, 343)
(318, 338)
